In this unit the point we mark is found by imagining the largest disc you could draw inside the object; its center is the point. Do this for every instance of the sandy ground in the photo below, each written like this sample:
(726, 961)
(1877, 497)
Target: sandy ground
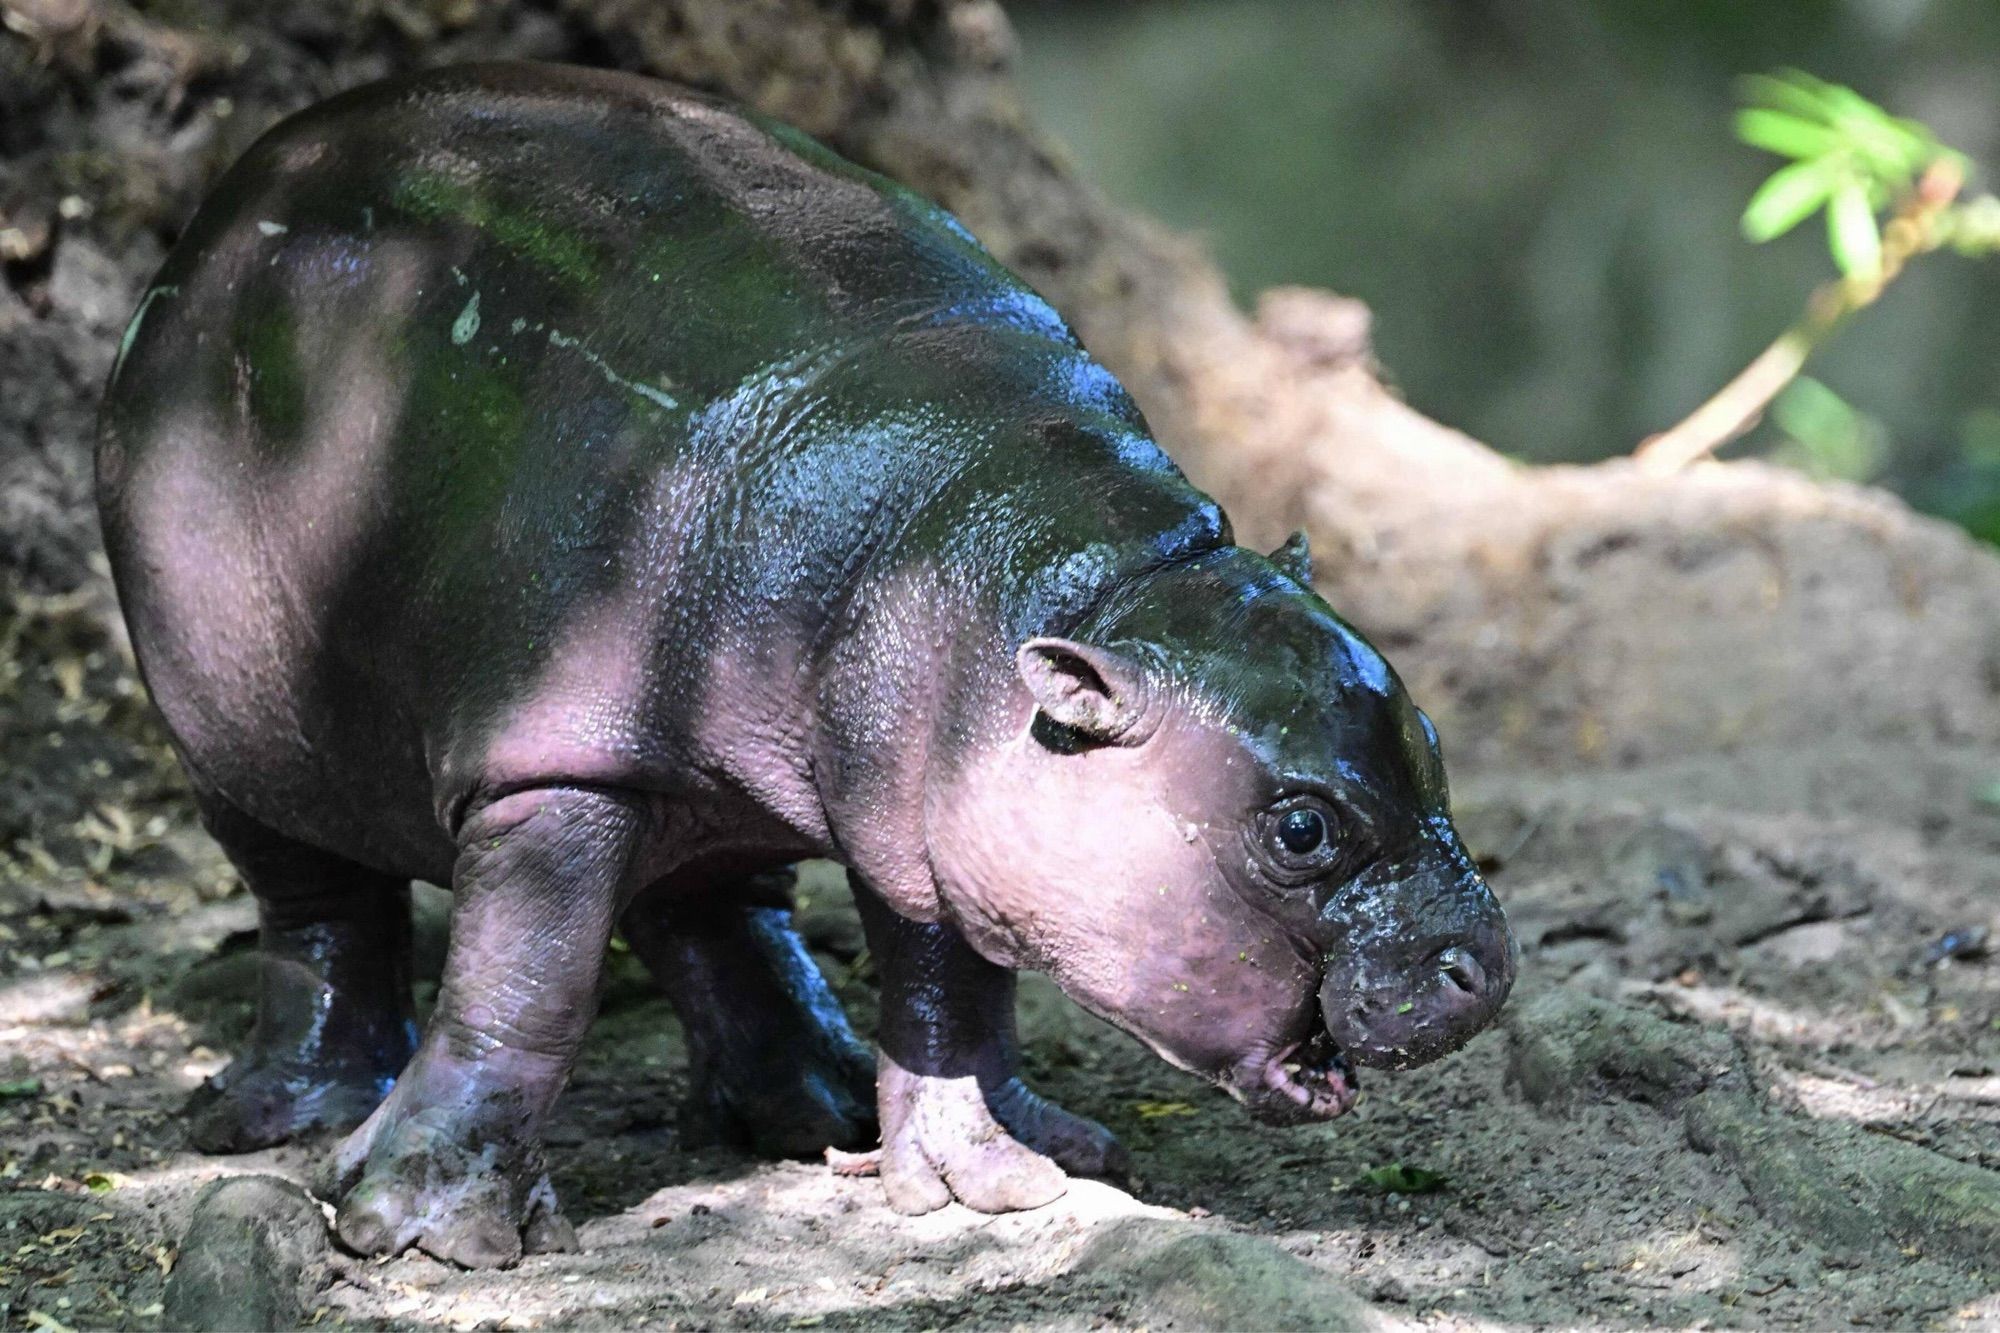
(1778, 916)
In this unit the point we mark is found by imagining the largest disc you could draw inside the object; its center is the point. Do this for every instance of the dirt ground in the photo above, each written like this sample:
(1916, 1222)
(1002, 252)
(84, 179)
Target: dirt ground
(1772, 927)
(1730, 754)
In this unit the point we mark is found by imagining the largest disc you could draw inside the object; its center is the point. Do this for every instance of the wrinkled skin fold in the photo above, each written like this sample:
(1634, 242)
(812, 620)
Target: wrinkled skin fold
(579, 492)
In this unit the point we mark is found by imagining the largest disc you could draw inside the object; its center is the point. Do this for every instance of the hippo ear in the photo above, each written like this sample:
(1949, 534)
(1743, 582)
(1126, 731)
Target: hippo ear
(1295, 558)
(1087, 689)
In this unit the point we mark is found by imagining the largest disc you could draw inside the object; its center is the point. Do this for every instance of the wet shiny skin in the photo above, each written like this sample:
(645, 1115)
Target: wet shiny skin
(580, 492)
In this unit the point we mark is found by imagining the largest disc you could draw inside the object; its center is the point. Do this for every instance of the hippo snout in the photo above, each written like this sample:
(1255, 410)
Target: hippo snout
(1417, 1010)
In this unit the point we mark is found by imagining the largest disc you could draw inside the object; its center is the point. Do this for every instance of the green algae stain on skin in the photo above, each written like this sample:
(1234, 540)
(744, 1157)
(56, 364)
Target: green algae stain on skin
(268, 340)
(466, 326)
(433, 197)
(480, 411)
(477, 405)
(658, 397)
(138, 317)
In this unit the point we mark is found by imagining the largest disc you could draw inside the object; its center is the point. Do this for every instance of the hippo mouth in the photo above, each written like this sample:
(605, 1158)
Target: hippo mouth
(1308, 1080)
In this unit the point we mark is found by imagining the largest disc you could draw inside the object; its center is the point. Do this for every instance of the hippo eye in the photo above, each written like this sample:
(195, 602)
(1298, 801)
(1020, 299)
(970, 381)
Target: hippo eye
(1299, 840)
(1302, 831)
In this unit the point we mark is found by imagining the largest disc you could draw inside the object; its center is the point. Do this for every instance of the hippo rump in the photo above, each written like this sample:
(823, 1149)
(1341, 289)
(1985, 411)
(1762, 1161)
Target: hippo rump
(597, 498)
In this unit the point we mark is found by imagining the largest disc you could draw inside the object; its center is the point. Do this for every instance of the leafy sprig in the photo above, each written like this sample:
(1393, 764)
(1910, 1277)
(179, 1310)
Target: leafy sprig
(1891, 192)
(1849, 157)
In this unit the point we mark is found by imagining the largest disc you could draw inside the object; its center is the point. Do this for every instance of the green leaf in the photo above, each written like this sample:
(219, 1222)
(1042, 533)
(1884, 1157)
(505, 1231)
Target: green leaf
(1396, 1178)
(1920, 143)
(1852, 233)
(1784, 134)
(20, 1087)
(1890, 159)
(1788, 91)
(1826, 436)
(1888, 144)
(1788, 198)
(1890, 149)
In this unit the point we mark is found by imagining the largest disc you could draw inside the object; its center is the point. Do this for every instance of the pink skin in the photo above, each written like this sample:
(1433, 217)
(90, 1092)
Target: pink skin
(1108, 816)
(1037, 852)
(394, 609)
(451, 1161)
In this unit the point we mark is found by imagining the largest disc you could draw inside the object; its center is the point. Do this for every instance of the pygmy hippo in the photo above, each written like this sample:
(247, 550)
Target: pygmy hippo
(597, 498)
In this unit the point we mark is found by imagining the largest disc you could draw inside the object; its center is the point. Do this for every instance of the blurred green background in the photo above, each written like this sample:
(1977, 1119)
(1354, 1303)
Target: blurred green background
(1540, 202)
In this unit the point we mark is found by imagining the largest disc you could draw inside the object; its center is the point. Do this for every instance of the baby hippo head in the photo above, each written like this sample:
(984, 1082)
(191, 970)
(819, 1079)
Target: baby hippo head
(1214, 817)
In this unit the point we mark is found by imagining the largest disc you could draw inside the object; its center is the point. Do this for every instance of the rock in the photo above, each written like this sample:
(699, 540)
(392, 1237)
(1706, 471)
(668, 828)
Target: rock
(225, 980)
(1391, 1290)
(824, 913)
(1182, 1276)
(250, 1259)
(1667, 861)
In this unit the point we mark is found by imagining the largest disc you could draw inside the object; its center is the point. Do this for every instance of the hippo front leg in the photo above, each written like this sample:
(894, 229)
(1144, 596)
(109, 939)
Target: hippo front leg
(957, 1122)
(452, 1161)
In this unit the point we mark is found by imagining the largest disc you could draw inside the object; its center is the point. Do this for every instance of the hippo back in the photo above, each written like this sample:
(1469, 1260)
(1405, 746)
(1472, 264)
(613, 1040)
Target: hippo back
(479, 416)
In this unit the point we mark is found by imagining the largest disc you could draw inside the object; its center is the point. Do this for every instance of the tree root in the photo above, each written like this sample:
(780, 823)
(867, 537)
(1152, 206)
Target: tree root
(1849, 1189)
(1202, 1277)
(1566, 1046)
(1837, 1184)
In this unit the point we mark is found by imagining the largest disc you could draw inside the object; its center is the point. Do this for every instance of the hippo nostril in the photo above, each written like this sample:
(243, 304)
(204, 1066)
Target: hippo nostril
(1462, 970)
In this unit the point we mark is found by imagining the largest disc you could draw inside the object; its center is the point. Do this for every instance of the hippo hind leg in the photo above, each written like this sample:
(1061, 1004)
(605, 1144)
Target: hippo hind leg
(334, 1020)
(452, 1161)
(775, 1066)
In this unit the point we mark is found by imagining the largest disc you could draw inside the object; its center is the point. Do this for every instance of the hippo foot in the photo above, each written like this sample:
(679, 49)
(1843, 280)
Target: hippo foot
(1080, 1146)
(263, 1099)
(942, 1141)
(813, 1100)
(467, 1194)
(775, 1066)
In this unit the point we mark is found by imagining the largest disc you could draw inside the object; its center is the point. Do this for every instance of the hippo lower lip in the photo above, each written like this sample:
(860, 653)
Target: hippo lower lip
(1309, 1080)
